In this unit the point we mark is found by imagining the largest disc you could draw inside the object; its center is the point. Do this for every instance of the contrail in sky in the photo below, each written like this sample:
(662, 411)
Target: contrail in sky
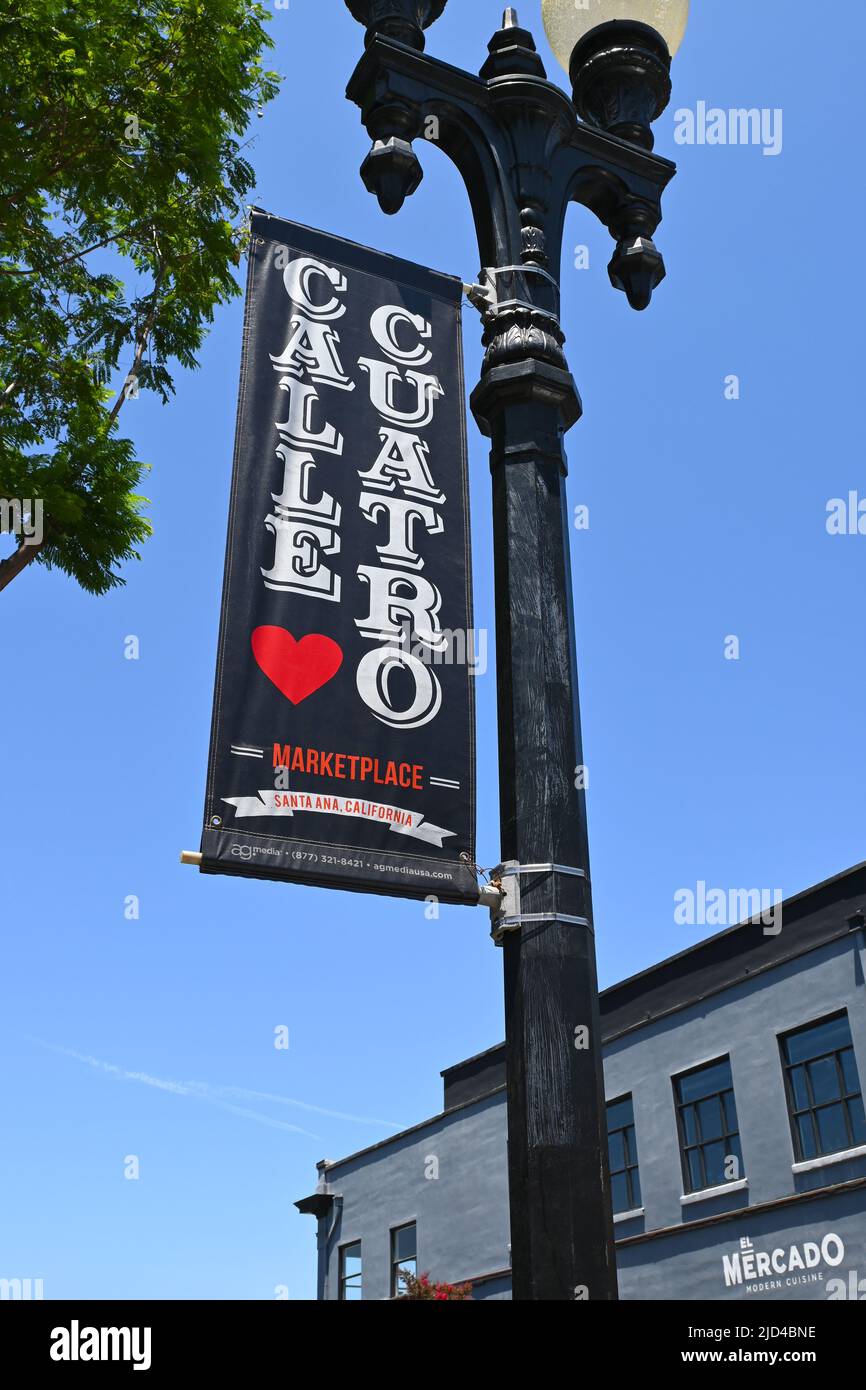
(221, 1096)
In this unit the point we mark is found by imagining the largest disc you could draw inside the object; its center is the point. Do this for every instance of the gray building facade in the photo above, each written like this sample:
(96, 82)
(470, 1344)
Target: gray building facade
(734, 1075)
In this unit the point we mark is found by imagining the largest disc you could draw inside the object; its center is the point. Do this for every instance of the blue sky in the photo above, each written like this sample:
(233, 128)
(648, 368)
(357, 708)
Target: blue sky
(707, 519)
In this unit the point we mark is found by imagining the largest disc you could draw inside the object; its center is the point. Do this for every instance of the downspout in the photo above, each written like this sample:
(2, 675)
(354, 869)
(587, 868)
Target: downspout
(327, 1207)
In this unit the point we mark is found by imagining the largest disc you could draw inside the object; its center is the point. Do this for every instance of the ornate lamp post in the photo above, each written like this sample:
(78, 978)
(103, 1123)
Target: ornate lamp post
(525, 151)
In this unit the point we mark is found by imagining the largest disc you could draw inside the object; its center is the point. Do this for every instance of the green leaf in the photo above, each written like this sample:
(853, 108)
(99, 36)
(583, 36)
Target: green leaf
(80, 184)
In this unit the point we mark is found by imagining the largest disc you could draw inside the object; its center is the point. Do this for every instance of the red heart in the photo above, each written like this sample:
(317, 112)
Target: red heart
(297, 669)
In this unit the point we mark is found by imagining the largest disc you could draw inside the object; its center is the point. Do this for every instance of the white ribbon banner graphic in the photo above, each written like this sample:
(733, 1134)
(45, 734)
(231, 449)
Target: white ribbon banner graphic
(274, 803)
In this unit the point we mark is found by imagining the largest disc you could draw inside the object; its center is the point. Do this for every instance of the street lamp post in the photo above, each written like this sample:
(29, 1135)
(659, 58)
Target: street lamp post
(525, 151)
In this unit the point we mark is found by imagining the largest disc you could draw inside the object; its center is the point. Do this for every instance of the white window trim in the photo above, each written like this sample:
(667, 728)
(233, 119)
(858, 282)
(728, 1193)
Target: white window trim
(707, 1193)
(628, 1215)
(825, 1160)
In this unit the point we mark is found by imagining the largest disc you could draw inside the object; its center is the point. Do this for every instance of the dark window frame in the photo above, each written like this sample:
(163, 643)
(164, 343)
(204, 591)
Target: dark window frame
(796, 1112)
(395, 1264)
(631, 1167)
(342, 1278)
(699, 1144)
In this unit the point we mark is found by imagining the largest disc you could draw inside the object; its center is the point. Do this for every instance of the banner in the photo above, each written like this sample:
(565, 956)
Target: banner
(343, 740)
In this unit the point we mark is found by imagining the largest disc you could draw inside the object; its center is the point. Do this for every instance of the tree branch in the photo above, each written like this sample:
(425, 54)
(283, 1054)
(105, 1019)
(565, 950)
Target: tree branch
(76, 255)
(140, 342)
(18, 561)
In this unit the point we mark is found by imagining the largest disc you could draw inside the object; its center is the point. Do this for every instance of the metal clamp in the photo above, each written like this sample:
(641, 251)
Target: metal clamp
(506, 917)
(485, 297)
(544, 869)
(502, 926)
(526, 269)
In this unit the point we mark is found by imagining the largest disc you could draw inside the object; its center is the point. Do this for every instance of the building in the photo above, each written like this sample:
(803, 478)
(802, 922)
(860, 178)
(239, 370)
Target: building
(737, 1132)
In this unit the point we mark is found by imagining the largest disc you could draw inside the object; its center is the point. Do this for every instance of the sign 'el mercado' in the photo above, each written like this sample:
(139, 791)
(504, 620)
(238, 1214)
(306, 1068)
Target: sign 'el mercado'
(342, 748)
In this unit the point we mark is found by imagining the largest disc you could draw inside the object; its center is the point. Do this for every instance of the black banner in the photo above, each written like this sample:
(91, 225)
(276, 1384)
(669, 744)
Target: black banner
(343, 741)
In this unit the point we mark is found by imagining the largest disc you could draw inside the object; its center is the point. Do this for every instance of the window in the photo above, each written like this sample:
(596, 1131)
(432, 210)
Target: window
(350, 1273)
(825, 1101)
(709, 1132)
(622, 1152)
(404, 1256)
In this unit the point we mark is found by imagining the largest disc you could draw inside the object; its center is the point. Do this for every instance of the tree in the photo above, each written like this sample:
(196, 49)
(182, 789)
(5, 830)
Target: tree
(120, 130)
(423, 1290)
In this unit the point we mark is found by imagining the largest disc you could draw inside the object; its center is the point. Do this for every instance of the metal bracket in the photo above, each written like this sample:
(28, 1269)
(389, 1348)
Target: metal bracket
(490, 896)
(485, 297)
(481, 297)
(506, 916)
